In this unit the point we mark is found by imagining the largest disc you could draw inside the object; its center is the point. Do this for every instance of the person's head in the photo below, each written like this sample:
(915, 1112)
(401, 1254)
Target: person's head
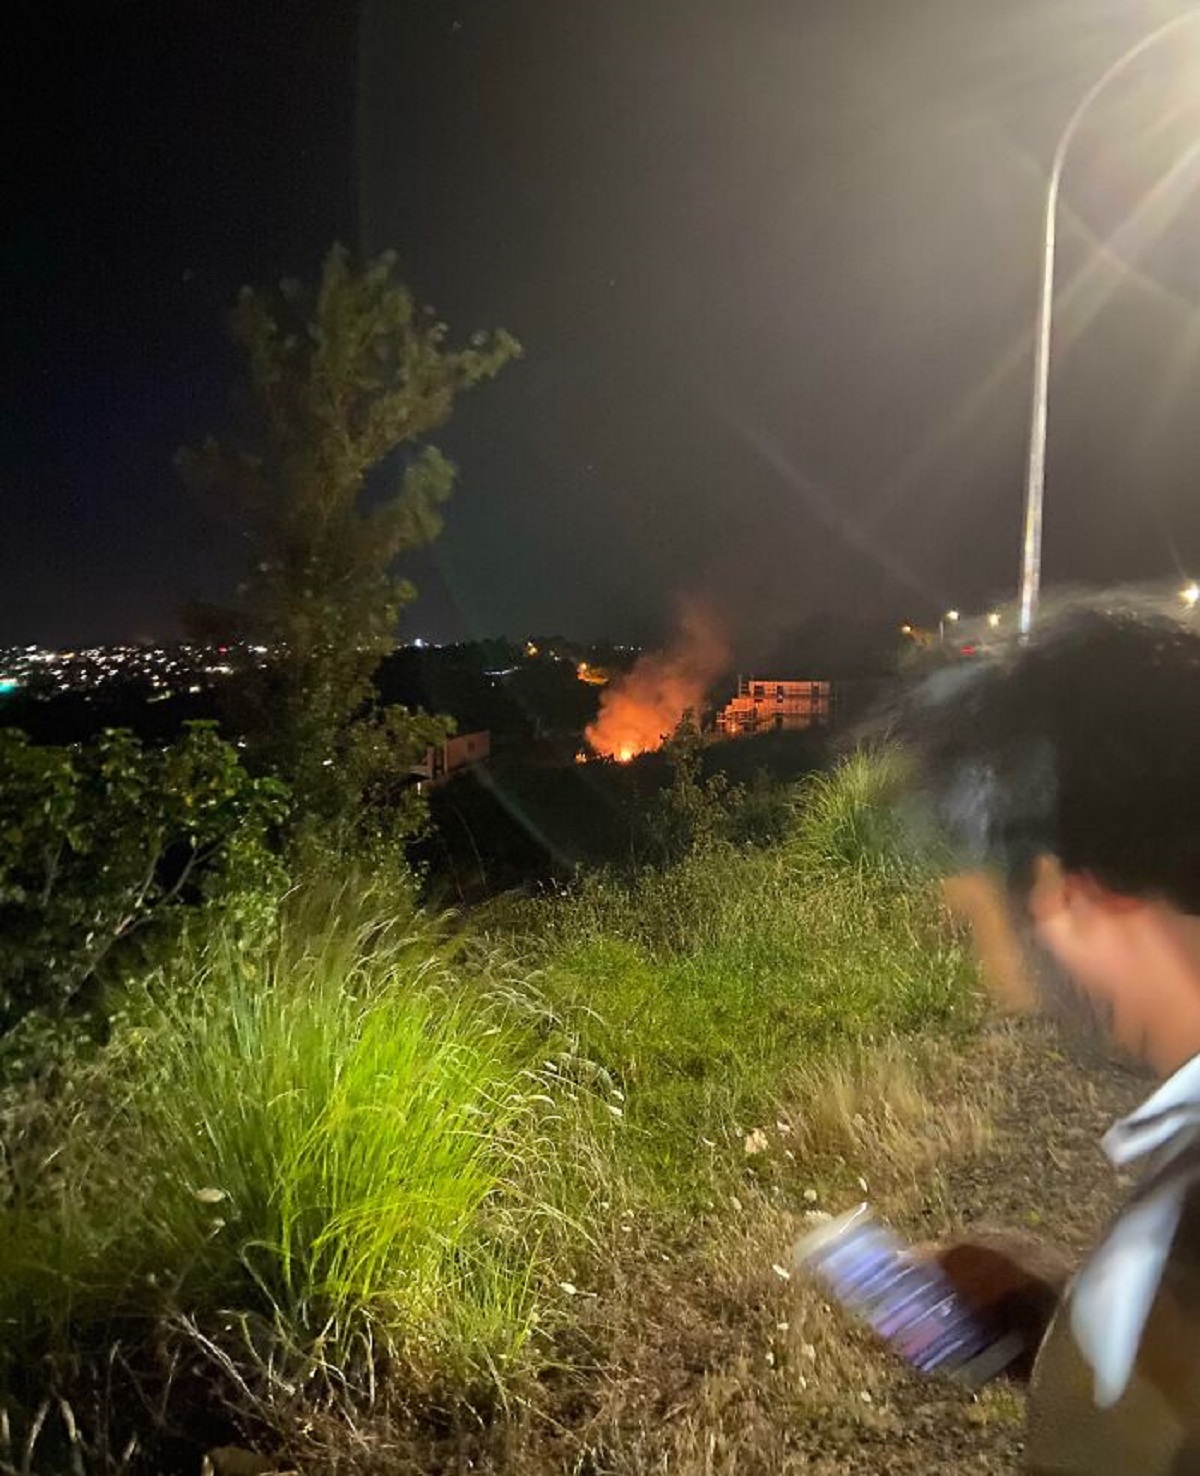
(1063, 772)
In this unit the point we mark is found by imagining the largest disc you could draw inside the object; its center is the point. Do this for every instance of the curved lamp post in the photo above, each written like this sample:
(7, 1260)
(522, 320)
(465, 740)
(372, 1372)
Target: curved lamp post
(1035, 482)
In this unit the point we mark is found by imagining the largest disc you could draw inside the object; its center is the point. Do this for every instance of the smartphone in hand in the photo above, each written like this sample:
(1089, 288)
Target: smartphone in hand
(908, 1301)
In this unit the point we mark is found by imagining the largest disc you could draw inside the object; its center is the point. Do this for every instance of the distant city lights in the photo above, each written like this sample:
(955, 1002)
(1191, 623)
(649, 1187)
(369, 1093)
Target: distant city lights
(165, 669)
(189, 669)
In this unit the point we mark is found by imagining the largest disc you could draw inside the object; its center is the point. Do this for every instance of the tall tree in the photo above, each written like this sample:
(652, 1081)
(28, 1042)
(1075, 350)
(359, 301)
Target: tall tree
(329, 480)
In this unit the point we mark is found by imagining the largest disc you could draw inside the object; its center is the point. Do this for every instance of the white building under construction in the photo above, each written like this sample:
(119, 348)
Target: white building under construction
(762, 705)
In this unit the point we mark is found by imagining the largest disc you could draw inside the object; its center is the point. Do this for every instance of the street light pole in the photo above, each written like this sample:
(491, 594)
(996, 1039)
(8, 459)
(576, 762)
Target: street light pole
(1035, 481)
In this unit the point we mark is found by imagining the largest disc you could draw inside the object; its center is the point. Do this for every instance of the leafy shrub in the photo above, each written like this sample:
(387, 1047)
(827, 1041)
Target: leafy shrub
(695, 810)
(100, 845)
(692, 812)
(763, 813)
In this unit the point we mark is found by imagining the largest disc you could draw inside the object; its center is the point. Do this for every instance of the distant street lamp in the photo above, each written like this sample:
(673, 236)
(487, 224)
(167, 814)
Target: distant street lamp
(993, 619)
(951, 617)
(1035, 483)
(1190, 594)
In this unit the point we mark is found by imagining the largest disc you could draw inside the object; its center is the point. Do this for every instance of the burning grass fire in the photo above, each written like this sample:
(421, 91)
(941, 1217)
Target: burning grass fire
(639, 711)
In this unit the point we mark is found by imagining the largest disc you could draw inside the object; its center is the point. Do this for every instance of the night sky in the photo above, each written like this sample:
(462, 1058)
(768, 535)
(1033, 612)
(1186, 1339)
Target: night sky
(773, 263)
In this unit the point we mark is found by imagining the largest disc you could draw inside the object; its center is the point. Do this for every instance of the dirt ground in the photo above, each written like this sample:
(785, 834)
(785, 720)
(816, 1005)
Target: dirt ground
(703, 1356)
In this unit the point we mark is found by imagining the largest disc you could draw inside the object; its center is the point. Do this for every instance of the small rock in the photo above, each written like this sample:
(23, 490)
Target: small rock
(232, 1460)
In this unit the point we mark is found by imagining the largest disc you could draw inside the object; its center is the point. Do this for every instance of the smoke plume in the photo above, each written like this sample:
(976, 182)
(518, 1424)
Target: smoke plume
(638, 711)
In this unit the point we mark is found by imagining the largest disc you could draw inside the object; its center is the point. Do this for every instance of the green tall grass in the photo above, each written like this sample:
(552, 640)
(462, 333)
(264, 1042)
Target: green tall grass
(706, 991)
(849, 823)
(316, 1142)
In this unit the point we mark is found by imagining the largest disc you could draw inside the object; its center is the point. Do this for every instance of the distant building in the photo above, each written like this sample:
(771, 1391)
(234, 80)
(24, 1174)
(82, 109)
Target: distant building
(447, 758)
(761, 706)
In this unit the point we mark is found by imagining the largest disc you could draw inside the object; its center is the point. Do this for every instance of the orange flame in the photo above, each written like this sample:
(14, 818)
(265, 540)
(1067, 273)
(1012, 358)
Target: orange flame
(640, 710)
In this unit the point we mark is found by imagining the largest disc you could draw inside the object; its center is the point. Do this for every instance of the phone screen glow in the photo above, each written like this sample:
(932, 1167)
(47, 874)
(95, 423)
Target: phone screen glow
(910, 1303)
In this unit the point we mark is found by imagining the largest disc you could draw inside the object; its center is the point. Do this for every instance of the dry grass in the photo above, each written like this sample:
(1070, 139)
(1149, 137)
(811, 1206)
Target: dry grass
(888, 1109)
(690, 1354)
(719, 1360)
(720, 1365)
(688, 1349)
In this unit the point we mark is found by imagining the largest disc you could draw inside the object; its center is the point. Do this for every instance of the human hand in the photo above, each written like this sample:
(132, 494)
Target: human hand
(1012, 1280)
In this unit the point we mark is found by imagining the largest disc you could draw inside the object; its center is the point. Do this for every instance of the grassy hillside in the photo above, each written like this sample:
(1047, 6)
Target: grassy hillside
(362, 1167)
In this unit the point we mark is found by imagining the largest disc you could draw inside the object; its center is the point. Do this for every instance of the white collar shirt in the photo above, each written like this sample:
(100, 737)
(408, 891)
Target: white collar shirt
(1112, 1296)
